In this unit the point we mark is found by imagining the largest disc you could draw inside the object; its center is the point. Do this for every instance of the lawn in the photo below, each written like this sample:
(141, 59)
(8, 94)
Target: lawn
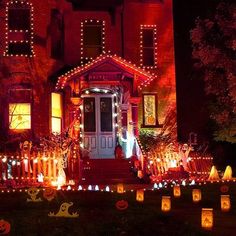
(98, 214)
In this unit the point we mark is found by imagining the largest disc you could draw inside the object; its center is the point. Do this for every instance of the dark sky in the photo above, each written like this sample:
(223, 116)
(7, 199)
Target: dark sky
(191, 111)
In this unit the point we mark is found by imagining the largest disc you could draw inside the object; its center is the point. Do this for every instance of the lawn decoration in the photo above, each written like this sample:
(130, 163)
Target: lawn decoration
(166, 203)
(213, 174)
(176, 191)
(197, 195)
(63, 211)
(225, 203)
(122, 205)
(33, 192)
(49, 194)
(228, 173)
(207, 218)
(5, 227)
(120, 188)
(140, 195)
(224, 188)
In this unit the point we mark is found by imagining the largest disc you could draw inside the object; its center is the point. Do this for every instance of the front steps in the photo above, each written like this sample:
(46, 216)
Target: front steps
(107, 171)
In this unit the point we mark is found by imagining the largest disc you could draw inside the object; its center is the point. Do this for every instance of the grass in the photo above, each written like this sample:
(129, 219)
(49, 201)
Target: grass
(99, 216)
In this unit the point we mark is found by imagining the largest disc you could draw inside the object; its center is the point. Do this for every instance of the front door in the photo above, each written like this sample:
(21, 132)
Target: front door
(98, 125)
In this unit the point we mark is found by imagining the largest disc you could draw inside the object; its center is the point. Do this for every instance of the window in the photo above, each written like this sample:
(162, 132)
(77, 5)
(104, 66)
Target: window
(57, 34)
(150, 110)
(19, 116)
(56, 119)
(148, 46)
(19, 29)
(92, 39)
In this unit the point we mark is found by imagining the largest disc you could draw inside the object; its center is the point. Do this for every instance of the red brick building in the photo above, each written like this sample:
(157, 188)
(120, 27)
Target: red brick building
(103, 69)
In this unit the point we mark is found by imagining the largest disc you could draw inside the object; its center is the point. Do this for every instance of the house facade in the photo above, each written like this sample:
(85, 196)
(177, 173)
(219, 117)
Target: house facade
(103, 71)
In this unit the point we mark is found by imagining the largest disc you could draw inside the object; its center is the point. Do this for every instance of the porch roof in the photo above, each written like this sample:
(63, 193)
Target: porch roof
(142, 76)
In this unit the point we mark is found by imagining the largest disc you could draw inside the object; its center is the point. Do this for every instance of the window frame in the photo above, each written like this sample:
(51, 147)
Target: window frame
(91, 23)
(18, 37)
(154, 47)
(52, 116)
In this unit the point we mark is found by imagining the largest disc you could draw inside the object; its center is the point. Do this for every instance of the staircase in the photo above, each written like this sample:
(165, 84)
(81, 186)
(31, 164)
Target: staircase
(107, 171)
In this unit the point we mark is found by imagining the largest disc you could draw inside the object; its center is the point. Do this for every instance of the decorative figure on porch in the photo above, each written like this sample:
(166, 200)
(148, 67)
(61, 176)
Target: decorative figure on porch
(63, 211)
(184, 154)
(33, 192)
(119, 154)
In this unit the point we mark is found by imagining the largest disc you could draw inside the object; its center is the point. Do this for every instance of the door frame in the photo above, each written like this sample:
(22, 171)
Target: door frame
(96, 138)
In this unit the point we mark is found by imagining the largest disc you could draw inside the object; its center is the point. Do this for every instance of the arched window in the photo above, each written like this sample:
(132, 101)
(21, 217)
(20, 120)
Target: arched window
(19, 29)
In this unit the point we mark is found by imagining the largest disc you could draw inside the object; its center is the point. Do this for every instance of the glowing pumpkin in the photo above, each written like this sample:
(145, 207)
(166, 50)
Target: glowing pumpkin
(49, 194)
(5, 227)
(122, 205)
(224, 188)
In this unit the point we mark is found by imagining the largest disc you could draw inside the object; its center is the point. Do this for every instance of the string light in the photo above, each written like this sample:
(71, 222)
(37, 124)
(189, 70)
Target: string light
(90, 22)
(26, 34)
(143, 77)
(154, 31)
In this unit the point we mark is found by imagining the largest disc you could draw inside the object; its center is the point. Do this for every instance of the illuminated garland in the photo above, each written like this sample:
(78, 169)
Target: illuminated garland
(27, 34)
(153, 27)
(122, 62)
(82, 37)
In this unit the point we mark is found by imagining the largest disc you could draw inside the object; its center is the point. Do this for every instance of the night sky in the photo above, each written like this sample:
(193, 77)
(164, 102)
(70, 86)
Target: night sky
(191, 112)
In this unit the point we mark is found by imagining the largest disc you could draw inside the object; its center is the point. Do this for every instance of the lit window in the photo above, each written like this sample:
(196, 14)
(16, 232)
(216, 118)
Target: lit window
(19, 29)
(56, 113)
(92, 39)
(19, 116)
(148, 46)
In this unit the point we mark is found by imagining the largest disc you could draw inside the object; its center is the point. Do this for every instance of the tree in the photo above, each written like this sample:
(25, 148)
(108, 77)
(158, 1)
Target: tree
(214, 49)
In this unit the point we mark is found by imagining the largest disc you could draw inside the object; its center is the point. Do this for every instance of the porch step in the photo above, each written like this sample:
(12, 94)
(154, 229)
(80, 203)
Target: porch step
(108, 171)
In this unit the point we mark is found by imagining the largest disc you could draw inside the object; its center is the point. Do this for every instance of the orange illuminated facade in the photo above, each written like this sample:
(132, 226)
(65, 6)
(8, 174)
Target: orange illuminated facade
(103, 70)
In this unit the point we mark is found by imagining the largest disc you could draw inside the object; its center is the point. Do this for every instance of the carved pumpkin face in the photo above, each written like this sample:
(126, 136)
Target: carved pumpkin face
(122, 205)
(49, 194)
(4, 227)
(224, 188)
(33, 191)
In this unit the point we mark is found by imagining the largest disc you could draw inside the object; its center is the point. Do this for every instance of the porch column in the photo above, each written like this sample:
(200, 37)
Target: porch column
(134, 108)
(75, 161)
(124, 125)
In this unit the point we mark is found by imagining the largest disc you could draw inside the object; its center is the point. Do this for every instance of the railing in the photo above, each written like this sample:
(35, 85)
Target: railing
(35, 167)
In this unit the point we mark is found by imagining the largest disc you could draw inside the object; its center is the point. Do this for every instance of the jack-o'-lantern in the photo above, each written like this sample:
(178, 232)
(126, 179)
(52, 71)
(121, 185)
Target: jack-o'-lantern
(49, 194)
(224, 188)
(122, 205)
(5, 227)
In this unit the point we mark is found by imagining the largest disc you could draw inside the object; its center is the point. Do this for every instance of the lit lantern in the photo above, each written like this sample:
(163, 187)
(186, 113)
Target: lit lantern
(225, 202)
(207, 218)
(165, 203)
(197, 195)
(120, 188)
(176, 191)
(140, 195)
(213, 174)
(228, 173)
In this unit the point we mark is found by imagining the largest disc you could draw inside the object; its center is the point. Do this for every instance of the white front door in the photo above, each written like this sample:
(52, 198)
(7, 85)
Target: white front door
(98, 125)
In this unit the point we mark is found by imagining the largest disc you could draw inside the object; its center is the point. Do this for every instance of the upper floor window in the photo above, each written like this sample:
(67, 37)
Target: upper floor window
(92, 39)
(19, 29)
(148, 46)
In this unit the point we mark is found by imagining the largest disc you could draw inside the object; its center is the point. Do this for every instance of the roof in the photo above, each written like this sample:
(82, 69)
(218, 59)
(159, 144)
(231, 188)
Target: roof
(143, 77)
